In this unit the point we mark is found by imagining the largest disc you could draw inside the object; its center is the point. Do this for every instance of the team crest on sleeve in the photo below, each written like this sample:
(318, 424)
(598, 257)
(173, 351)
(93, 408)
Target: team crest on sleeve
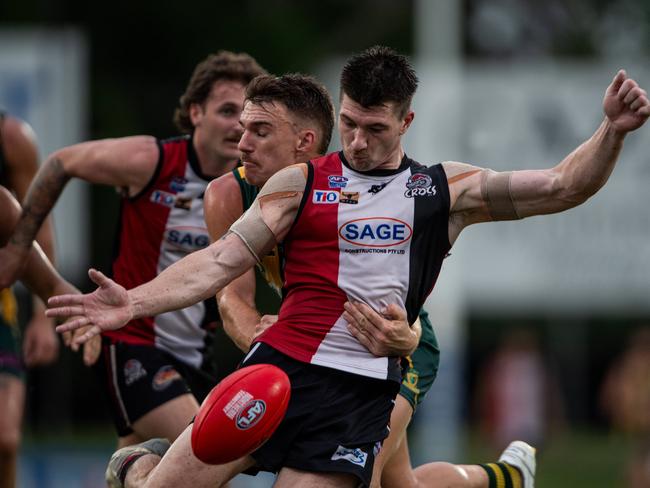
(419, 185)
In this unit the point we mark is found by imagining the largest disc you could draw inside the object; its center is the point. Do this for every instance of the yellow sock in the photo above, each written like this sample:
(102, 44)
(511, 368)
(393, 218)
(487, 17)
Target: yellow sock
(502, 475)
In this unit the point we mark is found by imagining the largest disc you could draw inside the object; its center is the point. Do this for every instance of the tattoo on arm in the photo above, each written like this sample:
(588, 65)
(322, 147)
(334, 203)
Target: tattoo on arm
(41, 197)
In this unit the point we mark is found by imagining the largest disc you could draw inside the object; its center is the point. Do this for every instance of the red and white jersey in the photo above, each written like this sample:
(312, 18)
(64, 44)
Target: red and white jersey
(159, 226)
(378, 237)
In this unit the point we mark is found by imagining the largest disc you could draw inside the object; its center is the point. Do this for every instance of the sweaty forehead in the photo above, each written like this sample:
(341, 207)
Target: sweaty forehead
(272, 113)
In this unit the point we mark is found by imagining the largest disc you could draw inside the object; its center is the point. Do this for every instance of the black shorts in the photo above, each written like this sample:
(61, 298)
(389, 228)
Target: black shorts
(139, 378)
(335, 421)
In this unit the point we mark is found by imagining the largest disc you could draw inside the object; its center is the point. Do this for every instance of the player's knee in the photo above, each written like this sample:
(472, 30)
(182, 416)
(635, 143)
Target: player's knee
(9, 440)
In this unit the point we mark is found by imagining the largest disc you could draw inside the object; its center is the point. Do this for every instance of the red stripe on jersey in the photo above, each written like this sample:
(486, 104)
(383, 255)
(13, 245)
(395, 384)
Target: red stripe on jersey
(313, 301)
(142, 228)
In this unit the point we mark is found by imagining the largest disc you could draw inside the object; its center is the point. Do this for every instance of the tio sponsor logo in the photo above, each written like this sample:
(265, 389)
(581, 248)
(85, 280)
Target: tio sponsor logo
(250, 414)
(187, 238)
(163, 198)
(325, 196)
(375, 232)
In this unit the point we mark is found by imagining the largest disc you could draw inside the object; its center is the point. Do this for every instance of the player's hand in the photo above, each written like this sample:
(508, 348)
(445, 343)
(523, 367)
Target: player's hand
(385, 334)
(626, 104)
(90, 348)
(41, 345)
(107, 308)
(12, 261)
(265, 322)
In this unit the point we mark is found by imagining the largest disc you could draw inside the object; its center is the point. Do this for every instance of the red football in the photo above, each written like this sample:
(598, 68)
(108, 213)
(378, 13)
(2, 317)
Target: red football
(240, 413)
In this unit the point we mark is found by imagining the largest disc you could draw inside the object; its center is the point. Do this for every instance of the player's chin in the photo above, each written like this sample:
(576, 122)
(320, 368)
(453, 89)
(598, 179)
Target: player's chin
(229, 151)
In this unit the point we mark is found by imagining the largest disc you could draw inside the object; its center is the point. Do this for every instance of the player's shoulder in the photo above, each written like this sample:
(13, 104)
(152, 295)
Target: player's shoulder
(17, 134)
(224, 188)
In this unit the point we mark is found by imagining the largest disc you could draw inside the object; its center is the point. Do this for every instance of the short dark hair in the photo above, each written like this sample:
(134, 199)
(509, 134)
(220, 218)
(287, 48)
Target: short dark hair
(379, 75)
(303, 95)
(224, 65)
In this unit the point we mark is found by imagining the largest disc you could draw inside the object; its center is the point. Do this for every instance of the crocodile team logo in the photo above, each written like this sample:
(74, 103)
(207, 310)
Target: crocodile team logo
(419, 185)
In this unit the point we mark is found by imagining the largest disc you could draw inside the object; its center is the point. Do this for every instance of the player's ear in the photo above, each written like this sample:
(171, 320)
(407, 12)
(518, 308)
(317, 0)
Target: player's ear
(406, 122)
(306, 141)
(196, 113)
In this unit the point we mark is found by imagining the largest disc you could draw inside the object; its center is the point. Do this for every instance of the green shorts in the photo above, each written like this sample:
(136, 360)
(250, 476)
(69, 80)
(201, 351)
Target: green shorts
(10, 358)
(422, 365)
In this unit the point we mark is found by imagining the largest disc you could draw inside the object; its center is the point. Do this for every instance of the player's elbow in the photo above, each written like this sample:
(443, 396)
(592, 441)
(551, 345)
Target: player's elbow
(569, 191)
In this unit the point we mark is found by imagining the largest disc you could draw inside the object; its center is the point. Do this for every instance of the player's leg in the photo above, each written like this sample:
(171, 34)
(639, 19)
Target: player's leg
(12, 401)
(295, 478)
(148, 392)
(144, 466)
(167, 421)
(421, 371)
(12, 389)
(391, 463)
(516, 468)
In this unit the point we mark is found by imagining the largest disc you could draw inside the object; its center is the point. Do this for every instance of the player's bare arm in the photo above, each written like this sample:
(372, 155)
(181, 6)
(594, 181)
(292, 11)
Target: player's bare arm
(198, 275)
(481, 195)
(222, 207)
(41, 345)
(21, 152)
(128, 163)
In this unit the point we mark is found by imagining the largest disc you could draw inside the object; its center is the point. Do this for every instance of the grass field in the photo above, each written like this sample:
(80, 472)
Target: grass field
(576, 460)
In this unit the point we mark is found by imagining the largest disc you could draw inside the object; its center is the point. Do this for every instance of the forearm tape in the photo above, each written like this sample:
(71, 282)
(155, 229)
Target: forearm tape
(251, 228)
(495, 190)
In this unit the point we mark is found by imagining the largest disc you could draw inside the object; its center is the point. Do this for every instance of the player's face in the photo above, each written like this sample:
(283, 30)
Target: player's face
(370, 136)
(269, 142)
(216, 121)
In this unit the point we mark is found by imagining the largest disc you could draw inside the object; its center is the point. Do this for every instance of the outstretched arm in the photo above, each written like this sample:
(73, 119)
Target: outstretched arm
(128, 162)
(480, 195)
(195, 277)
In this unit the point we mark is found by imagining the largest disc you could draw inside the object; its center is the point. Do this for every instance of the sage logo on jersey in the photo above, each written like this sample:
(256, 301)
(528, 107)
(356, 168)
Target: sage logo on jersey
(251, 414)
(337, 181)
(163, 198)
(187, 238)
(419, 185)
(325, 196)
(355, 456)
(376, 232)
